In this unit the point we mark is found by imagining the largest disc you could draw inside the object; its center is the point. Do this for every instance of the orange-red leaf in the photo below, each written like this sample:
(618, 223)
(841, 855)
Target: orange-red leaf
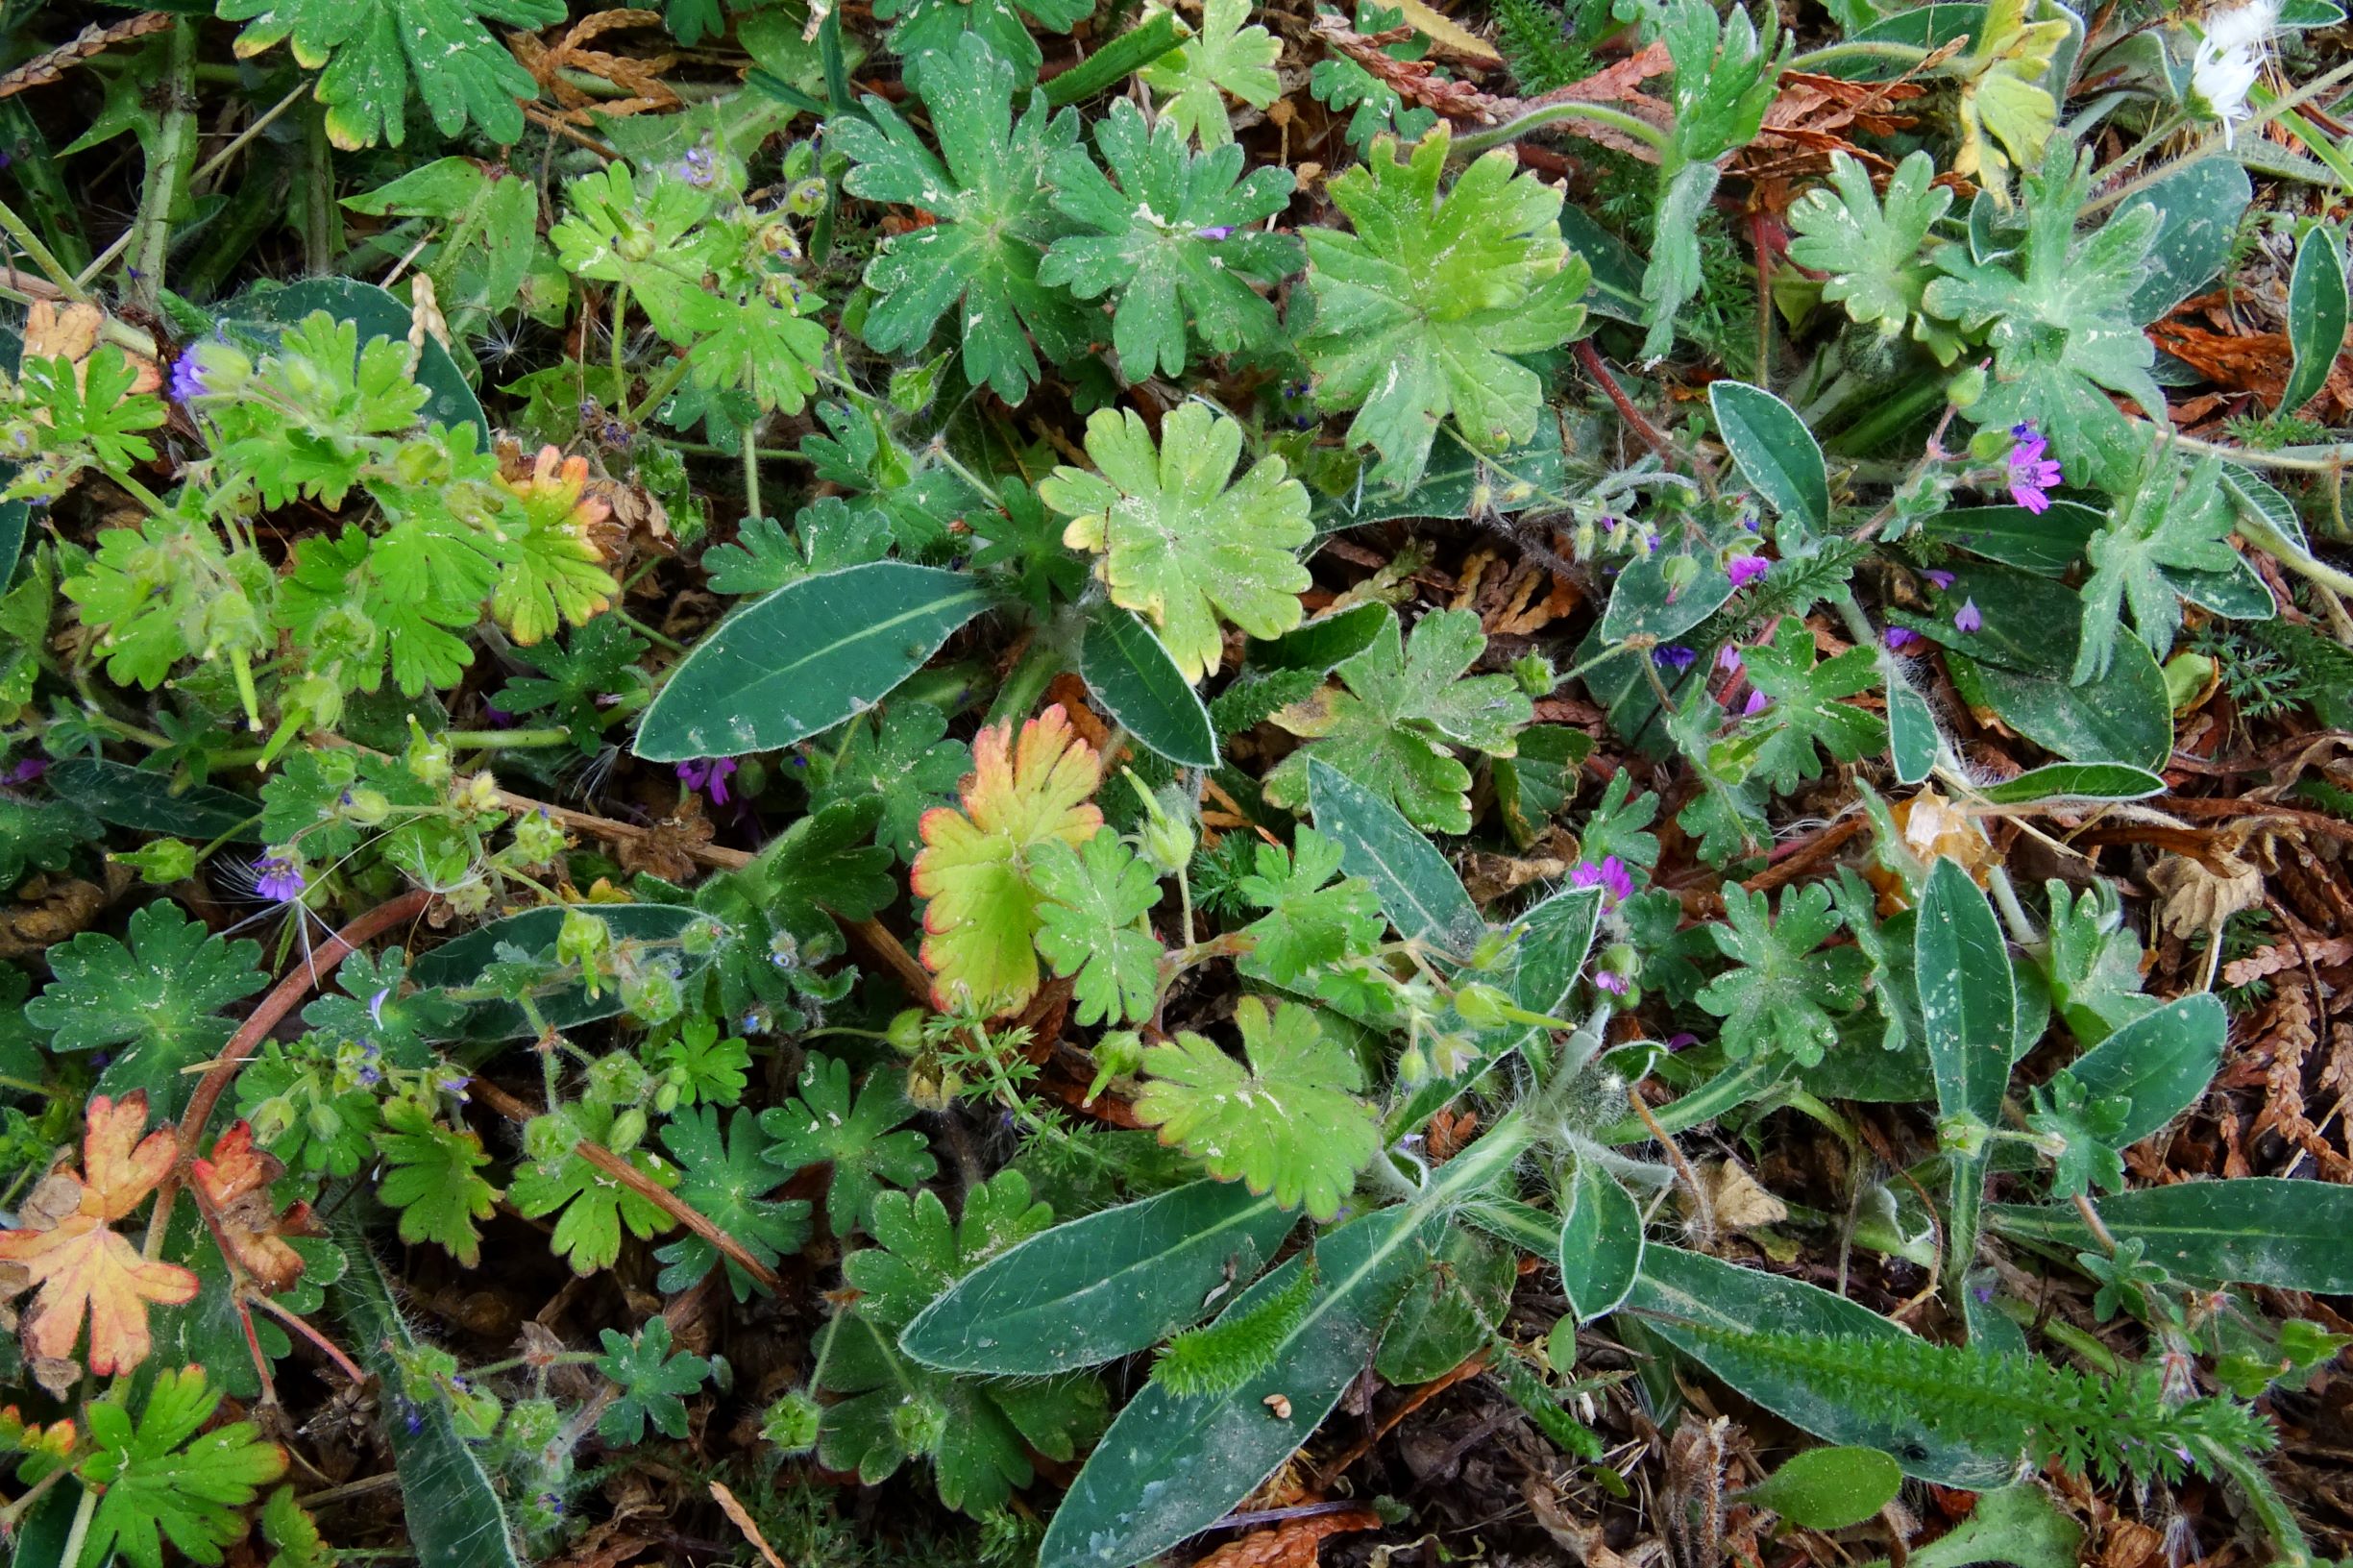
(983, 913)
(235, 1187)
(84, 1269)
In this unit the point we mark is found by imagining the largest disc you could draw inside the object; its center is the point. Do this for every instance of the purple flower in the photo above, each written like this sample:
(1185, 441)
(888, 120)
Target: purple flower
(187, 379)
(1898, 638)
(1610, 876)
(1758, 704)
(1745, 569)
(1614, 984)
(25, 772)
(1215, 230)
(1609, 525)
(370, 1074)
(697, 168)
(279, 878)
(1728, 658)
(376, 1006)
(1966, 618)
(2031, 473)
(1676, 1042)
(1941, 580)
(1673, 656)
(709, 776)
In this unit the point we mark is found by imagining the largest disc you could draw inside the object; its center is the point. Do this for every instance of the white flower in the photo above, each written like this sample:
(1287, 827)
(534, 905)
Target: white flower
(2228, 60)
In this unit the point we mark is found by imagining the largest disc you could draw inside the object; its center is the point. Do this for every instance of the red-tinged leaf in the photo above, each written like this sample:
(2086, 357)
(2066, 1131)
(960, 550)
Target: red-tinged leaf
(84, 1269)
(983, 913)
(235, 1187)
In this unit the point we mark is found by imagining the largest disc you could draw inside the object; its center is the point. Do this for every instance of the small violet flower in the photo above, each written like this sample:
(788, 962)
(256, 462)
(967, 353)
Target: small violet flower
(1614, 984)
(1941, 580)
(25, 772)
(2031, 473)
(187, 382)
(1966, 618)
(1728, 658)
(698, 169)
(1673, 656)
(1758, 704)
(1898, 638)
(1215, 230)
(1610, 876)
(708, 776)
(1745, 569)
(376, 1006)
(279, 878)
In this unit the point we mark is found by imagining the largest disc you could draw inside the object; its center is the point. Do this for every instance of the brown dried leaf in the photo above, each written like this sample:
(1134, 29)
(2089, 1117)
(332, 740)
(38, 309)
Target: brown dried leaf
(2198, 898)
(1293, 1543)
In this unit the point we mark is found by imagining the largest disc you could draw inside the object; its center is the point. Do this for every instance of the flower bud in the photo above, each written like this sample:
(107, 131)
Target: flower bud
(1483, 1006)
(365, 806)
(1965, 389)
(792, 1422)
(906, 1031)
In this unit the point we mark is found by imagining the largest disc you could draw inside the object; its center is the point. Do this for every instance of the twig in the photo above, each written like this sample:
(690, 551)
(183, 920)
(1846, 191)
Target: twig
(1703, 1213)
(255, 1028)
(1657, 439)
(1414, 1401)
(638, 1182)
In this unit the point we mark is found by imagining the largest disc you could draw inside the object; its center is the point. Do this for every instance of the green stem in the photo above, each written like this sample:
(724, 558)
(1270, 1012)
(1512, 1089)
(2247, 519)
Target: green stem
(1115, 62)
(752, 481)
(509, 739)
(1814, 60)
(31, 244)
(2213, 143)
(663, 386)
(2163, 129)
(169, 159)
(2290, 555)
(83, 1512)
(1962, 1224)
(1535, 119)
(1733, 1086)
(621, 316)
(2263, 1499)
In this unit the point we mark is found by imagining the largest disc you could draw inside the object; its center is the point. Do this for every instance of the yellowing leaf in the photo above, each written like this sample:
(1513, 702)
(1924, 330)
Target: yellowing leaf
(1178, 546)
(86, 1270)
(982, 918)
(556, 573)
(1288, 1123)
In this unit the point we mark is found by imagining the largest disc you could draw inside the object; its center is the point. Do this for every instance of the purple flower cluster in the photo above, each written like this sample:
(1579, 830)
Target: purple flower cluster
(1745, 569)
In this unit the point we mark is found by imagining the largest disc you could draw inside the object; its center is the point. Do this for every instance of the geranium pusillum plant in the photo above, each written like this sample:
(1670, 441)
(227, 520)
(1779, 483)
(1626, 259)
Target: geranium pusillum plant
(2228, 60)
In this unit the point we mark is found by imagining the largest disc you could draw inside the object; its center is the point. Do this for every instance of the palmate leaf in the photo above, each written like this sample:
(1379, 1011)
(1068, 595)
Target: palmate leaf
(2167, 522)
(939, 27)
(1779, 1002)
(1805, 710)
(552, 574)
(1403, 707)
(975, 1431)
(1176, 543)
(84, 1268)
(432, 1175)
(1419, 313)
(160, 1480)
(727, 1183)
(652, 1378)
(906, 758)
(1288, 1123)
(1873, 252)
(2061, 322)
(1307, 924)
(370, 48)
(827, 534)
(645, 230)
(1190, 81)
(1092, 902)
(595, 1207)
(995, 219)
(982, 918)
(1174, 241)
(155, 1000)
(823, 1125)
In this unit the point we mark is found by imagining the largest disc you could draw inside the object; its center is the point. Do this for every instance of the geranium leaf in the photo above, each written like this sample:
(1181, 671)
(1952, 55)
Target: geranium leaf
(1287, 1123)
(982, 911)
(823, 1125)
(1419, 313)
(1225, 57)
(1092, 902)
(1177, 545)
